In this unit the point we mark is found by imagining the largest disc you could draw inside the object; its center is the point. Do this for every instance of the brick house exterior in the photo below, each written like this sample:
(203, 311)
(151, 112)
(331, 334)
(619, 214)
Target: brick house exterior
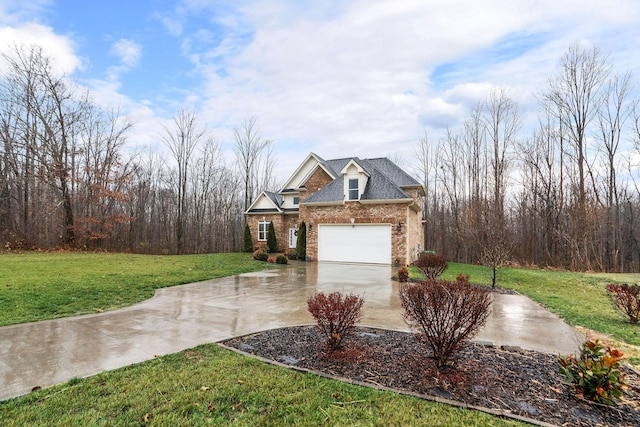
(356, 210)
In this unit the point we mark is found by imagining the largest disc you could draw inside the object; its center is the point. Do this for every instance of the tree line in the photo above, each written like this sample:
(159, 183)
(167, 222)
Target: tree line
(566, 195)
(67, 178)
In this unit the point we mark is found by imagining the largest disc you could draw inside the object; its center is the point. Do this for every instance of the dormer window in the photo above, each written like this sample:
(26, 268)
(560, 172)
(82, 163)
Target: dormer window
(355, 180)
(353, 189)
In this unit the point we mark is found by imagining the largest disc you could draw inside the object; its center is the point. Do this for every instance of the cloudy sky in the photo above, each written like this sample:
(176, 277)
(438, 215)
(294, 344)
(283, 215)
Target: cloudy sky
(341, 78)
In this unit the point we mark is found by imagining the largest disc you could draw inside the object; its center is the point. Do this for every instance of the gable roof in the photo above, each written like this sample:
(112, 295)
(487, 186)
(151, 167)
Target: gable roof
(386, 181)
(302, 174)
(266, 202)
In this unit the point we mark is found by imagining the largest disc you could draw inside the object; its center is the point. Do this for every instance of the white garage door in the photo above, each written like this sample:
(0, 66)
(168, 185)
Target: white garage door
(367, 243)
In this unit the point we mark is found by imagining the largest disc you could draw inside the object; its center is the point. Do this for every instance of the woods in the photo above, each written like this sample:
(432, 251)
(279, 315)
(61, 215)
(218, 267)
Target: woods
(565, 196)
(65, 180)
(562, 192)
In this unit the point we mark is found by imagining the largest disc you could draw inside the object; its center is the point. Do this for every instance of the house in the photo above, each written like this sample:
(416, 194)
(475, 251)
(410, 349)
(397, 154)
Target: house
(355, 210)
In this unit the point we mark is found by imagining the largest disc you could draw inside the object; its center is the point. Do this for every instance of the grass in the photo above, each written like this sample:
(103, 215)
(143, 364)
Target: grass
(38, 286)
(579, 298)
(208, 385)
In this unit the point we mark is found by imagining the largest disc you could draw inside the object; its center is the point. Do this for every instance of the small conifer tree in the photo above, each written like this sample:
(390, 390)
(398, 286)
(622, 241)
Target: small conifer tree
(248, 241)
(301, 243)
(272, 242)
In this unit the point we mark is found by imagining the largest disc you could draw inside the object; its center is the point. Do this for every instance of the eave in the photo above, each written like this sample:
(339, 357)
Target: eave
(383, 201)
(333, 203)
(263, 211)
(419, 187)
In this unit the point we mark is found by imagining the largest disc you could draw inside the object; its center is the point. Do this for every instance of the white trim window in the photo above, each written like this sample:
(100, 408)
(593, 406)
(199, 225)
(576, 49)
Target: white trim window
(263, 228)
(296, 200)
(353, 189)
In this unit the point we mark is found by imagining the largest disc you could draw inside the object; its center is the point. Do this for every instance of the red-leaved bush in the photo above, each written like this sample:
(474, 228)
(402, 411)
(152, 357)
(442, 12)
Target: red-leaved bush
(463, 278)
(336, 316)
(444, 315)
(403, 274)
(431, 265)
(626, 298)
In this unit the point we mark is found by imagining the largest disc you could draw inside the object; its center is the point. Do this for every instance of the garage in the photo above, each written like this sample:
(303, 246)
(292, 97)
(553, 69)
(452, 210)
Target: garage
(364, 243)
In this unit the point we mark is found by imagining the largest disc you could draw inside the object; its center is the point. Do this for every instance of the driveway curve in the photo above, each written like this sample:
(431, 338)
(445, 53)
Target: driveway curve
(54, 351)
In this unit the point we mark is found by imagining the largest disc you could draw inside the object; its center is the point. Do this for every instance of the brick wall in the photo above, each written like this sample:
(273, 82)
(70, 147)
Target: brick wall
(404, 242)
(281, 223)
(318, 180)
(366, 214)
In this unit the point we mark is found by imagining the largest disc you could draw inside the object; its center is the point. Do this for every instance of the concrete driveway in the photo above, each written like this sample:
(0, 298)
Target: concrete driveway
(54, 351)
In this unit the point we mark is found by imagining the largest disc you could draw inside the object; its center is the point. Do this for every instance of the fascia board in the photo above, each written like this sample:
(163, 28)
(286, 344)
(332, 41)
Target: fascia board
(384, 201)
(339, 203)
(288, 183)
(357, 165)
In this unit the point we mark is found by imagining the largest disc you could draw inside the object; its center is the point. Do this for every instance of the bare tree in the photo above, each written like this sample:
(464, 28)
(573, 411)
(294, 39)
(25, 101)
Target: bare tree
(103, 177)
(612, 117)
(46, 117)
(252, 152)
(206, 174)
(576, 92)
(181, 139)
(502, 120)
(426, 170)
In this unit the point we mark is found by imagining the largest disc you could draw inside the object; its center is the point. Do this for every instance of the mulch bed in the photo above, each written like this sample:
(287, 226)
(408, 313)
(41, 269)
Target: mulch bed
(523, 383)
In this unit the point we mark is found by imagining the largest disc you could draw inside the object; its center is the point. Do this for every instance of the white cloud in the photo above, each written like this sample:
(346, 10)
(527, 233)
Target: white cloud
(358, 77)
(60, 49)
(14, 11)
(173, 24)
(128, 51)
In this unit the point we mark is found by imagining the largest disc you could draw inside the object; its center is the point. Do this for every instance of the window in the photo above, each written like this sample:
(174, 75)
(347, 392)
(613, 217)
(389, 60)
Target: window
(353, 189)
(263, 228)
(296, 200)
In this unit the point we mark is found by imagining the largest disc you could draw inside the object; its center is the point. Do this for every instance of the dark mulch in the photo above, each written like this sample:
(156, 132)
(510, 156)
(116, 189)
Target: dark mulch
(524, 383)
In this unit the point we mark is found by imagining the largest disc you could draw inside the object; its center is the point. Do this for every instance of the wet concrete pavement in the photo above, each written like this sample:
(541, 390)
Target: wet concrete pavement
(54, 351)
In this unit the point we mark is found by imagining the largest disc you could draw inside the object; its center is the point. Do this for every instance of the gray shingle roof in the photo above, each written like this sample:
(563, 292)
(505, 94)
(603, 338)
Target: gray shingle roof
(393, 172)
(332, 192)
(275, 198)
(380, 186)
(384, 183)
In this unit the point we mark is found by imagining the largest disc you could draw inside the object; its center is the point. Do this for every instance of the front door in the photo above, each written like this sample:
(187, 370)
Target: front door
(293, 237)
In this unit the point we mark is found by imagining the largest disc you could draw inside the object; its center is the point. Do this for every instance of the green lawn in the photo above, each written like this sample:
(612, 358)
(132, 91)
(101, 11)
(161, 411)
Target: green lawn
(211, 386)
(38, 286)
(208, 385)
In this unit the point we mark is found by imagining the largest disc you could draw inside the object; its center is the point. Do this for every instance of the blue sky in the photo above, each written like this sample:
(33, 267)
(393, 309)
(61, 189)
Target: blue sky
(363, 78)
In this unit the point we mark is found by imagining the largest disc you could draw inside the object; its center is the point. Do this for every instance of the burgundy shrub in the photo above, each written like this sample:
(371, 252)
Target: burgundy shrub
(444, 315)
(463, 278)
(431, 265)
(403, 274)
(626, 298)
(336, 316)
